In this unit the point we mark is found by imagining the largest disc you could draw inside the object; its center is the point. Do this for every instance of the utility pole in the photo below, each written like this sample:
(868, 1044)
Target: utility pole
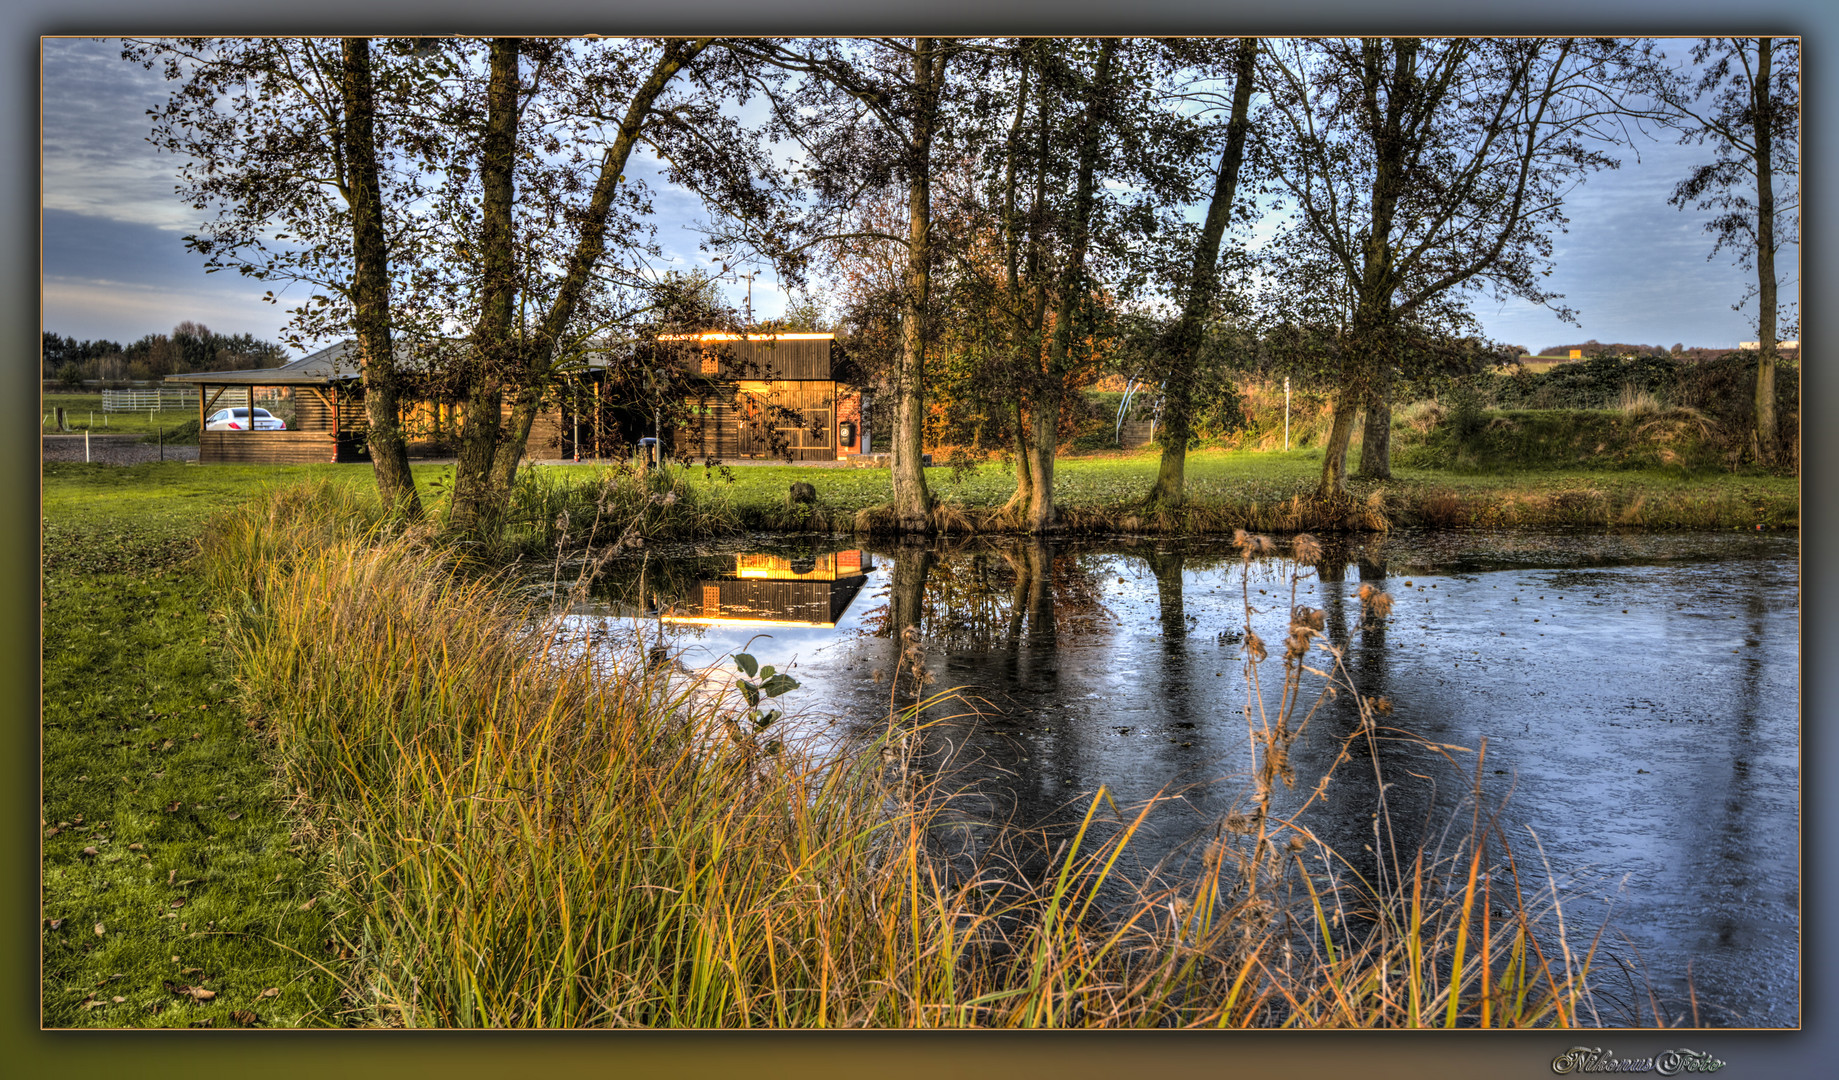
(749, 277)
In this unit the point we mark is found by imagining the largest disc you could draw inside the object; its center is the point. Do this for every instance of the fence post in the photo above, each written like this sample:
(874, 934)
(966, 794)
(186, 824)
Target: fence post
(86, 446)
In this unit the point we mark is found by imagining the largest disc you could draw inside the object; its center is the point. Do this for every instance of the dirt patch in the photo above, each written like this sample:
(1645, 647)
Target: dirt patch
(112, 450)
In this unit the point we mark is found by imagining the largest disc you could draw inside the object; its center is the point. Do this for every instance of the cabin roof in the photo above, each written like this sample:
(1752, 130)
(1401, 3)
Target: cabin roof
(335, 363)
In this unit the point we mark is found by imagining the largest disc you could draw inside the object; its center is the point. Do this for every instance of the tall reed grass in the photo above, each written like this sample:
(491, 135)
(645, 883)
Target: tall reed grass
(526, 834)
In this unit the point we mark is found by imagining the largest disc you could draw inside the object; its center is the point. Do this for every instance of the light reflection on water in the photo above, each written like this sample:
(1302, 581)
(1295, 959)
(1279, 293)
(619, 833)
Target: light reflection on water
(1638, 695)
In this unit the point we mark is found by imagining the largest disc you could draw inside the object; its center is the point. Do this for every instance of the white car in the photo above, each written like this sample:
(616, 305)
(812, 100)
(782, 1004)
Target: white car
(238, 420)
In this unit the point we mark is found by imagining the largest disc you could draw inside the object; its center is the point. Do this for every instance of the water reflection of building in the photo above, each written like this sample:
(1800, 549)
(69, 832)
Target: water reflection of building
(777, 590)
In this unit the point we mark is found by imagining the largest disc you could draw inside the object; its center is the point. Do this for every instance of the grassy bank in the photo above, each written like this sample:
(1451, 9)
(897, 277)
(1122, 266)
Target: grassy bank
(1229, 489)
(175, 889)
(1264, 491)
(532, 835)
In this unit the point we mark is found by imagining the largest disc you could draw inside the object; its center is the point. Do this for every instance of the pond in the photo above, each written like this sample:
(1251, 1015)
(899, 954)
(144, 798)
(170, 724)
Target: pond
(1638, 695)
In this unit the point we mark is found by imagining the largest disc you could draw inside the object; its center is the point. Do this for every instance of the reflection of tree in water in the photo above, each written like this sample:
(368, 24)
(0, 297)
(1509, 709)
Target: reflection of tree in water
(991, 593)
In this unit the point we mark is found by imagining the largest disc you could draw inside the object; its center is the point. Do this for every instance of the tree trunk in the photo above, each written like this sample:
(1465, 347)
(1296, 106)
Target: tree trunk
(1763, 439)
(1177, 411)
(478, 504)
(1365, 371)
(1024, 472)
(912, 499)
(370, 300)
(1171, 487)
(1334, 454)
(590, 245)
(1074, 291)
(1045, 422)
(1376, 435)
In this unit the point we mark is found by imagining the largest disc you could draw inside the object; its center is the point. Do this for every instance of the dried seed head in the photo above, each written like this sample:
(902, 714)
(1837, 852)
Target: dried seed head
(1254, 647)
(1306, 548)
(1381, 605)
(1266, 545)
(1241, 539)
(1280, 763)
(1366, 591)
(1383, 706)
(1296, 843)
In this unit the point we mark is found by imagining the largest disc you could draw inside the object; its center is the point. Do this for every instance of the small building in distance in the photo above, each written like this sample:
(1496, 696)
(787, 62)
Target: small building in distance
(328, 423)
(774, 396)
(768, 396)
(321, 399)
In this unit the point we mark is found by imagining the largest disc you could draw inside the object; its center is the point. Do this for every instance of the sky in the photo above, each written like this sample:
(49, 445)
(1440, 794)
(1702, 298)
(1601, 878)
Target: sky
(114, 264)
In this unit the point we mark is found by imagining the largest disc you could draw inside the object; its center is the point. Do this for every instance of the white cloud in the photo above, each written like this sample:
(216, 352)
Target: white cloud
(96, 157)
(89, 308)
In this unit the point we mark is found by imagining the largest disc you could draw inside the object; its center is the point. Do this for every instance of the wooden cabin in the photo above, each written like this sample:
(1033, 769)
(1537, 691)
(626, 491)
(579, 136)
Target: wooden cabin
(329, 423)
(768, 396)
(758, 397)
(778, 590)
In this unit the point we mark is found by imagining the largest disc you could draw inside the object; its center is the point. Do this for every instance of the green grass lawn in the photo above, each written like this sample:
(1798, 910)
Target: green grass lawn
(170, 860)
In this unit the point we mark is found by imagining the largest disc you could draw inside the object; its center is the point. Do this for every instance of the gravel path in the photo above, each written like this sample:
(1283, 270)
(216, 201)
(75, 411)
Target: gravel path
(112, 450)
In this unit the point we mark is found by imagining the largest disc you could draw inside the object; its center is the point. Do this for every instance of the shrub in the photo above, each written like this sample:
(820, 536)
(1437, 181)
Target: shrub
(1466, 417)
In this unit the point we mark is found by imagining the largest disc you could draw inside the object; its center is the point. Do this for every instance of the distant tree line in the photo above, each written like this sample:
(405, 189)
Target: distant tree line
(1593, 347)
(190, 347)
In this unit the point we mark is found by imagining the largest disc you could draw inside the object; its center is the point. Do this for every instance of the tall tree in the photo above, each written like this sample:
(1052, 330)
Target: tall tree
(370, 287)
(1421, 170)
(867, 114)
(1181, 350)
(1073, 289)
(1072, 169)
(296, 147)
(1746, 103)
(516, 358)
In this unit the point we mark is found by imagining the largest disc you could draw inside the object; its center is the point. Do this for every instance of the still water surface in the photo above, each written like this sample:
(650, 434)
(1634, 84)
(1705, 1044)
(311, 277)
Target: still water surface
(1638, 696)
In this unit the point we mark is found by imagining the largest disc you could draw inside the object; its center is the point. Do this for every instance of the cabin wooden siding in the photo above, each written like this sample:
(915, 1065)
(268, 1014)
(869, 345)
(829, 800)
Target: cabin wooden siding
(275, 447)
(737, 421)
(546, 435)
(313, 413)
(792, 359)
